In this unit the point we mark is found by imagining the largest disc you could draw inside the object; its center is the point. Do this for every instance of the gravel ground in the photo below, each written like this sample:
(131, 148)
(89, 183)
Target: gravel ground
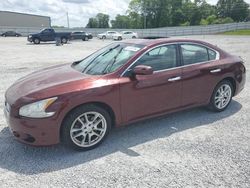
(193, 148)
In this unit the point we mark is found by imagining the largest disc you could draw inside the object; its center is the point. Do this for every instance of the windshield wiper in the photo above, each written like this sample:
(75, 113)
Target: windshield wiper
(105, 71)
(111, 50)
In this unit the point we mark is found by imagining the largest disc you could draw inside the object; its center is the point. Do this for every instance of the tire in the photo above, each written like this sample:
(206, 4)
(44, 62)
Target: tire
(119, 38)
(78, 134)
(222, 92)
(103, 37)
(134, 37)
(4, 35)
(64, 40)
(36, 41)
(85, 39)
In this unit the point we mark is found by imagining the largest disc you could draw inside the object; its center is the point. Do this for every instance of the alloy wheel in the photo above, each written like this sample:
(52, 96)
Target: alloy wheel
(223, 96)
(88, 129)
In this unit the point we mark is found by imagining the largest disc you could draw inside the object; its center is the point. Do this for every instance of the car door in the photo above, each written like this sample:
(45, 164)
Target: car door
(48, 35)
(110, 34)
(126, 35)
(160, 92)
(201, 73)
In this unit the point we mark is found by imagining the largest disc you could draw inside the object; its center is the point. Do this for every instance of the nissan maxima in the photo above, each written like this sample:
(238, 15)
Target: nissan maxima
(78, 104)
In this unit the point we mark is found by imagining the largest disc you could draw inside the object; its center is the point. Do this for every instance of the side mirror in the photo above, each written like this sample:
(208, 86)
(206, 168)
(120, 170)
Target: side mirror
(143, 70)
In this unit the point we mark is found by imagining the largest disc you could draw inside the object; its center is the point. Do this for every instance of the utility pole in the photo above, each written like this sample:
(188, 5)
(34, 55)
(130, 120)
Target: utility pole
(68, 19)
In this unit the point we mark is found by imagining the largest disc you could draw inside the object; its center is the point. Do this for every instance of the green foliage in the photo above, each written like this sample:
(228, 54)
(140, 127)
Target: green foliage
(121, 21)
(100, 21)
(163, 13)
(223, 20)
(203, 22)
(185, 24)
(238, 10)
(211, 19)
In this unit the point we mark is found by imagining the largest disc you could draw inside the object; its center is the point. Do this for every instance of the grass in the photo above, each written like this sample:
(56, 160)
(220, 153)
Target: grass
(238, 32)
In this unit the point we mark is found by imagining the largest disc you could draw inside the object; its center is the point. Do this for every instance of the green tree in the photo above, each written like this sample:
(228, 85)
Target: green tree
(100, 21)
(238, 10)
(121, 21)
(93, 23)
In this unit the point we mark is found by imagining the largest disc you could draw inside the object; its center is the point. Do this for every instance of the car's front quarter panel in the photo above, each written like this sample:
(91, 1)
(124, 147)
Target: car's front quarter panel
(104, 92)
(46, 131)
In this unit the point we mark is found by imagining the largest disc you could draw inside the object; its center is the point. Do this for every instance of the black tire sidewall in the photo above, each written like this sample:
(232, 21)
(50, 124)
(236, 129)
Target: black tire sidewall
(64, 40)
(212, 105)
(70, 118)
(36, 42)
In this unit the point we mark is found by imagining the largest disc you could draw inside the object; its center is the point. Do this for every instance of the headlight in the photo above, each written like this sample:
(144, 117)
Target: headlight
(37, 109)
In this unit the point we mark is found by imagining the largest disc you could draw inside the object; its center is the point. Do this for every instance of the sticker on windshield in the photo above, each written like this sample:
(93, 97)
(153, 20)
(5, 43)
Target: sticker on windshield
(132, 48)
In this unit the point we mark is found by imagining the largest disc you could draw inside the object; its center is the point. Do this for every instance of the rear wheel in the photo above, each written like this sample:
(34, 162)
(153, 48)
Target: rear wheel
(4, 35)
(134, 37)
(86, 127)
(103, 37)
(222, 96)
(119, 38)
(85, 39)
(64, 40)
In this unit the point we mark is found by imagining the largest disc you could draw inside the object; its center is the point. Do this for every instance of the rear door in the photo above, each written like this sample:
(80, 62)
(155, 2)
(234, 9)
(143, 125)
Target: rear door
(201, 73)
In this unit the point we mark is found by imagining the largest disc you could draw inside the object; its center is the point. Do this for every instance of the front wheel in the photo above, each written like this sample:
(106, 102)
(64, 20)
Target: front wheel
(222, 96)
(36, 41)
(86, 127)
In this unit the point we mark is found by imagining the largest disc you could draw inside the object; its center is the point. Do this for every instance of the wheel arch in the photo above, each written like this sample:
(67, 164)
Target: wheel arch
(232, 81)
(103, 105)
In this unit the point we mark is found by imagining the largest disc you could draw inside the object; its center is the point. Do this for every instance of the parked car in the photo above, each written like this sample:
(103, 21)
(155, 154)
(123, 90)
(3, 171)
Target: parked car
(47, 35)
(10, 34)
(122, 83)
(125, 35)
(81, 35)
(107, 35)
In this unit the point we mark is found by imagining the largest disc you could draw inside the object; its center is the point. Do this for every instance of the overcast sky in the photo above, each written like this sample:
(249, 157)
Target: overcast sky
(79, 10)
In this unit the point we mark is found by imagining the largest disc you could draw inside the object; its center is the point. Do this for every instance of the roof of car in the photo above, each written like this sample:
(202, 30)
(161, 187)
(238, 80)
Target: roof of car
(149, 42)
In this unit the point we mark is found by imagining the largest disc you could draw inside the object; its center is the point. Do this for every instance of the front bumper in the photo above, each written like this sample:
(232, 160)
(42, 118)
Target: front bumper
(29, 39)
(36, 132)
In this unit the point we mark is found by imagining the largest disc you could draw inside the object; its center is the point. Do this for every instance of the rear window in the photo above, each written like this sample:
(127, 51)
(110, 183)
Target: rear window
(193, 53)
(212, 54)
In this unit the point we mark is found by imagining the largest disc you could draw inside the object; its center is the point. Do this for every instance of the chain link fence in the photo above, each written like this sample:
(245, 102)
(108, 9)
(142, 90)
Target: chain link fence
(157, 32)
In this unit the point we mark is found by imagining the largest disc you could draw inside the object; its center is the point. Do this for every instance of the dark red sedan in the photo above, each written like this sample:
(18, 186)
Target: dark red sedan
(122, 83)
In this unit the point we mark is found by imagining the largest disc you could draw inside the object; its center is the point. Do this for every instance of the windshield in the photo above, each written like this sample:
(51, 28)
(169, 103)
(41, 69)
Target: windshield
(108, 59)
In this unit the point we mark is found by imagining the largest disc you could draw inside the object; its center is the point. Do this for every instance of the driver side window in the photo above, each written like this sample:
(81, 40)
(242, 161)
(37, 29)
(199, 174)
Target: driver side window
(160, 58)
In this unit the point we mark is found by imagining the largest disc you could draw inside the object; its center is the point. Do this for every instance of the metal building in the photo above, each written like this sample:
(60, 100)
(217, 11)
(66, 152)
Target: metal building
(15, 19)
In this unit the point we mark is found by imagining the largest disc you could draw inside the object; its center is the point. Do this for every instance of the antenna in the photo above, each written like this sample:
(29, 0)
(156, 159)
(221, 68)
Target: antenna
(68, 19)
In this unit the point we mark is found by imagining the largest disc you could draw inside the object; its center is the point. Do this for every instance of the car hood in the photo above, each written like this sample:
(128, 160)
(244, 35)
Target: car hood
(48, 82)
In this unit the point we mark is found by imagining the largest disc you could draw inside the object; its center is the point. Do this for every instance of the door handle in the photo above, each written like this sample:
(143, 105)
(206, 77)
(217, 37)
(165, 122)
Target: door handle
(174, 79)
(215, 70)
